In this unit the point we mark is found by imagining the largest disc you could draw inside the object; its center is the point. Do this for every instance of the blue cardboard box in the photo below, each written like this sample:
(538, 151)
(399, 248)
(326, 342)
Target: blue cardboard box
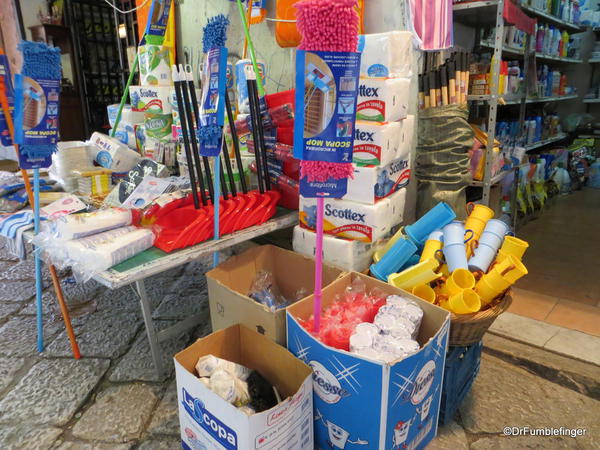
(365, 404)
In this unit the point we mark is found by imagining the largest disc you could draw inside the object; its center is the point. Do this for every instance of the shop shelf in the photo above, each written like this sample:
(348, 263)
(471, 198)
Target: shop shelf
(495, 179)
(558, 137)
(462, 366)
(543, 57)
(516, 101)
(591, 100)
(478, 13)
(506, 51)
(594, 61)
(569, 26)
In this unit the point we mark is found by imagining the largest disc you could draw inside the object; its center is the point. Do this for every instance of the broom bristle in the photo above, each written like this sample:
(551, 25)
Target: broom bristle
(215, 32)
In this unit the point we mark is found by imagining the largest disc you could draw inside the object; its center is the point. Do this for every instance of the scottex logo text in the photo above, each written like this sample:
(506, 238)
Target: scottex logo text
(346, 214)
(364, 136)
(364, 91)
(210, 423)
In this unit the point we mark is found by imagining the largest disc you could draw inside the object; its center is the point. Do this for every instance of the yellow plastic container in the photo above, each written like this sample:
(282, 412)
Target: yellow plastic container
(421, 273)
(460, 280)
(518, 271)
(382, 251)
(512, 246)
(430, 249)
(491, 286)
(425, 292)
(478, 218)
(443, 269)
(466, 301)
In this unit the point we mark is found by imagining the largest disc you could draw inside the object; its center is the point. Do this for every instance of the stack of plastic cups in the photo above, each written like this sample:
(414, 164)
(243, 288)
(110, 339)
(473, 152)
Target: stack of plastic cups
(393, 259)
(419, 274)
(436, 218)
(512, 246)
(454, 246)
(432, 245)
(489, 243)
(477, 220)
(499, 279)
(461, 297)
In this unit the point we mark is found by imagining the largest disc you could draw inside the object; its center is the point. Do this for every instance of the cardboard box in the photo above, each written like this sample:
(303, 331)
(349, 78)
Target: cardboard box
(378, 405)
(230, 282)
(209, 422)
(373, 183)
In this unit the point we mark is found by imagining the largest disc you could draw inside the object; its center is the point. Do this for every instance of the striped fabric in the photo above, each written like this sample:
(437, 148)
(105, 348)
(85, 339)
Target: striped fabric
(432, 23)
(10, 224)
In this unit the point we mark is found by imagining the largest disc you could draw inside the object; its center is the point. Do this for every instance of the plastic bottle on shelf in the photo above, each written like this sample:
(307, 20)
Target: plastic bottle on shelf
(562, 89)
(565, 47)
(539, 38)
(556, 83)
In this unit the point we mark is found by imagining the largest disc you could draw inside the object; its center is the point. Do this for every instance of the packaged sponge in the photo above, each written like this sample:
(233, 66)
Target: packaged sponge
(383, 99)
(386, 54)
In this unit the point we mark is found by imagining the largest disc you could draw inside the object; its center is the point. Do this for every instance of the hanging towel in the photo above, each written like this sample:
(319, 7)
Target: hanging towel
(12, 228)
(432, 23)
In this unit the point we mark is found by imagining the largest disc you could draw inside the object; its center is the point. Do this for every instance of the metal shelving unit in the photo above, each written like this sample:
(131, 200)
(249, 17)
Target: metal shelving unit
(552, 19)
(551, 140)
(516, 101)
(591, 100)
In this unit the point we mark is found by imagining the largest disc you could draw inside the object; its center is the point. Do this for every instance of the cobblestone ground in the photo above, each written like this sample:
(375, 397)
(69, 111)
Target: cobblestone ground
(112, 399)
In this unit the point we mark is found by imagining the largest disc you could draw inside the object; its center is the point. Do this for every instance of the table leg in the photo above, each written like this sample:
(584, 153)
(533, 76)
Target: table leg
(150, 331)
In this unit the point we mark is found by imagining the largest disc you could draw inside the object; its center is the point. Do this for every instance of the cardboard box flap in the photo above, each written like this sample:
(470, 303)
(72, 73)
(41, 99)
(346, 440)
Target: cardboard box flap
(433, 317)
(241, 345)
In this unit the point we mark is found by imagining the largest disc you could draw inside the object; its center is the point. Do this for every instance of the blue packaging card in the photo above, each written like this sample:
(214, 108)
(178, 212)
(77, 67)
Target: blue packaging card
(331, 188)
(158, 17)
(326, 92)
(212, 103)
(5, 138)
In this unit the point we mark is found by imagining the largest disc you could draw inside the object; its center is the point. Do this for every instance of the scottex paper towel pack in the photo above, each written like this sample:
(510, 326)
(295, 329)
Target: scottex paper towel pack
(380, 143)
(347, 254)
(383, 99)
(351, 220)
(150, 99)
(371, 184)
(386, 54)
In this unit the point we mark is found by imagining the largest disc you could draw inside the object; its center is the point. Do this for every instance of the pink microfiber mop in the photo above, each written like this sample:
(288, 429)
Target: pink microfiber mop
(325, 25)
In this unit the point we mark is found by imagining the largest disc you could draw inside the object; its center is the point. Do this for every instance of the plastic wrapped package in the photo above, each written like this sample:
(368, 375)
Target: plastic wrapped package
(76, 226)
(209, 364)
(265, 291)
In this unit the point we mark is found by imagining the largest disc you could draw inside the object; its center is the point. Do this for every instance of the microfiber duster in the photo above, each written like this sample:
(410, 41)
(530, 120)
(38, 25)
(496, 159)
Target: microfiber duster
(214, 36)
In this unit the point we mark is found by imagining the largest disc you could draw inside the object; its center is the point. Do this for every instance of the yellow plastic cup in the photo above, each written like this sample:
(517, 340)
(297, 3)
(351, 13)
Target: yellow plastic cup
(421, 273)
(491, 285)
(466, 301)
(478, 218)
(425, 292)
(429, 250)
(443, 269)
(518, 271)
(389, 244)
(512, 246)
(460, 280)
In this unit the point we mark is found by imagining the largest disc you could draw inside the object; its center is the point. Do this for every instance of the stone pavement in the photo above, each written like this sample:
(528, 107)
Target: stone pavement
(112, 399)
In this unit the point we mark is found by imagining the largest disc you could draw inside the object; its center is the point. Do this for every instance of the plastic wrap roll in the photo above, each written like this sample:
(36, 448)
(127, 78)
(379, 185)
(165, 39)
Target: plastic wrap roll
(76, 226)
(98, 253)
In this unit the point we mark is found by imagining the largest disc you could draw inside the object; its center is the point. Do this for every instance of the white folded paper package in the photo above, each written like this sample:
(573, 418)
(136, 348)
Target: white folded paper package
(383, 99)
(379, 143)
(351, 220)
(387, 54)
(151, 99)
(347, 254)
(128, 115)
(76, 226)
(371, 184)
(113, 154)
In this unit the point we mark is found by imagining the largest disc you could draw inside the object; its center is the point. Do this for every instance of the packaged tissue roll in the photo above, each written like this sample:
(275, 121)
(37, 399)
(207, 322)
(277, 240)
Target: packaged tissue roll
(375, 142)
(128, 115)
(158, 126)
(76, 226)
(386, 54)
(152, 99)
(155, 65)
(113, 154)
(383, 99)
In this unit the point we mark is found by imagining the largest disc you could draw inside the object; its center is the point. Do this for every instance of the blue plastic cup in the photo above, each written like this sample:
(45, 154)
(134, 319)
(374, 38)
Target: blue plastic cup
(456, 256)
(482, 258)
(454, 233)
(393, 259)
(497, 227)
(437, 217)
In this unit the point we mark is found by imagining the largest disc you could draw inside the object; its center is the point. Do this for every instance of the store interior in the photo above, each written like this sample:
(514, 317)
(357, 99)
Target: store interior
(299, 224)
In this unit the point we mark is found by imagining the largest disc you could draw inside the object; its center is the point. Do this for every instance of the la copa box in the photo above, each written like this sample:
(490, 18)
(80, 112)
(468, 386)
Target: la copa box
(359, 401)
(230, 282)
(208, 422)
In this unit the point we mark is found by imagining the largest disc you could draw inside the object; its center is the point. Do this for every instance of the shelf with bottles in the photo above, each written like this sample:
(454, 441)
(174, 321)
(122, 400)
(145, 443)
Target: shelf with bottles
(538, 130)
(566, 17)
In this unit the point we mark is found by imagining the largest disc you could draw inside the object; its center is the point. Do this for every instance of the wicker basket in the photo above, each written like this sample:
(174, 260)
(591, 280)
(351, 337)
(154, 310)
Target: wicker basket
(468, 329)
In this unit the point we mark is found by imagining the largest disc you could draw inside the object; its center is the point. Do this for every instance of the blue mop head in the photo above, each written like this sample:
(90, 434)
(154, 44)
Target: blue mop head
(215, 33)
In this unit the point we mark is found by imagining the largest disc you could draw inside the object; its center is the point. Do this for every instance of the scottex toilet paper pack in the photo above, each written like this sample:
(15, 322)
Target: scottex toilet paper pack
(380, 143)
(371, 184)
(358, 221)
(346, 254)
(150, 99)
(383, 99)
(386, 54)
